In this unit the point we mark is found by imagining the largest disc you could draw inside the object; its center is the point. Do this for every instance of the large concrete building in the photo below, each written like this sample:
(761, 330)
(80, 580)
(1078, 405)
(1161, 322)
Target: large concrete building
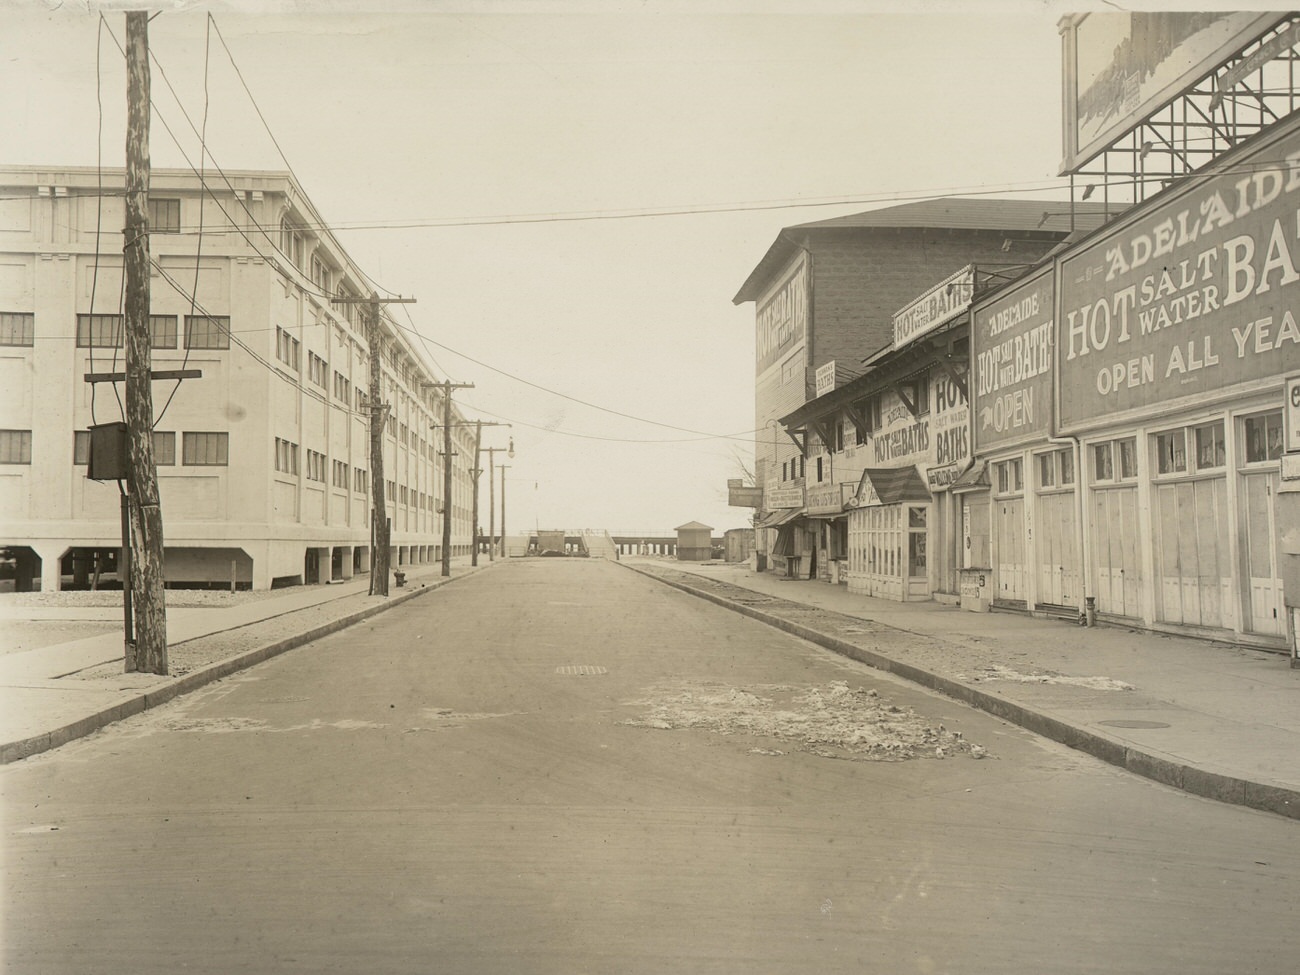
(264, 461)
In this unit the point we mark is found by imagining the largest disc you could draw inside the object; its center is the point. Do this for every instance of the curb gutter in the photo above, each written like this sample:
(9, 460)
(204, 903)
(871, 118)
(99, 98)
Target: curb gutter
(152, 698)
(1188, 778)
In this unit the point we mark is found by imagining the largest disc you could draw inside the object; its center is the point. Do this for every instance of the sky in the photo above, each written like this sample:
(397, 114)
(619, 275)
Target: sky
(572, 192)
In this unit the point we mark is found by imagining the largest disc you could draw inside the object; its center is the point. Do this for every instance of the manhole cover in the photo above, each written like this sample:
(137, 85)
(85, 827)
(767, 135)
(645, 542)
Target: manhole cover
(1134, 724)
(580, 670)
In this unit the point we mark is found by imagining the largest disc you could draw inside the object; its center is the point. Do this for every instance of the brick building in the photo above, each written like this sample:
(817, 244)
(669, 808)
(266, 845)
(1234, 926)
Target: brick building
(826, 292)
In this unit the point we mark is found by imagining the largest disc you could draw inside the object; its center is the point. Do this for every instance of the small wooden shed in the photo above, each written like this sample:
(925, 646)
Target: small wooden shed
(694, 542)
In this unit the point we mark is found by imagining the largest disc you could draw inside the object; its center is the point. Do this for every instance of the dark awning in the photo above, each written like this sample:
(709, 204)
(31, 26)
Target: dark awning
(891, 485)
(779, 517)
(974, 478)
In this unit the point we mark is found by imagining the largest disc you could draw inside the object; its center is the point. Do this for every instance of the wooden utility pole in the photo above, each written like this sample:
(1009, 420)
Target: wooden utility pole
(379, 533)
(146, 576)
(504, 468)
(446, 387)
(476, 472)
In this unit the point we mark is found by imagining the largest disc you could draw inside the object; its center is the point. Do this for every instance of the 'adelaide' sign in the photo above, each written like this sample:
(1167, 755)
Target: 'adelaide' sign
(1192, 298)
(1011, 352)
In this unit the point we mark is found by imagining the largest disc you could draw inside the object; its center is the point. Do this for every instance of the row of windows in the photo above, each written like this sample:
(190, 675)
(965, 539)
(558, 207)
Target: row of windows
(1196, 449)
(198, 448)
(107, 331)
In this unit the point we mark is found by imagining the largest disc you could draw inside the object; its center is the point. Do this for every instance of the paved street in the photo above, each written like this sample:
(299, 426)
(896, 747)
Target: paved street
(562, 766)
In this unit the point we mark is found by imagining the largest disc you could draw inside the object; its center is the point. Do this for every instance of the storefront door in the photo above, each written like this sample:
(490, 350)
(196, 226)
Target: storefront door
(1117, 572)
(1263, 588)
(1009, 533)
(1058, 577)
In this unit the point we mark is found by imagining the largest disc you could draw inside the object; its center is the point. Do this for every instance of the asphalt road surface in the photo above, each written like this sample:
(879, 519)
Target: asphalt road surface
(560, 766)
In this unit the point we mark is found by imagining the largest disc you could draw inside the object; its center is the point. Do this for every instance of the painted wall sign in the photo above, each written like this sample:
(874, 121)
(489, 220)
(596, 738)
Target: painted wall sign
(790, 497)
(945, 301)
(824, 499)
(1190, 299)
(1012, 344)
(782, 319)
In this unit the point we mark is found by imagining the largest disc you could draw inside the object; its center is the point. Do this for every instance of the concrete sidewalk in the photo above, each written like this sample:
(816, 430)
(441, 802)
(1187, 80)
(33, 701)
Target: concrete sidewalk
(1214, 719)
(42, 706)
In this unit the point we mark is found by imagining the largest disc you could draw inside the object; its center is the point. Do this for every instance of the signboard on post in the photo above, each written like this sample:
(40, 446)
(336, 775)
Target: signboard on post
(739, 496)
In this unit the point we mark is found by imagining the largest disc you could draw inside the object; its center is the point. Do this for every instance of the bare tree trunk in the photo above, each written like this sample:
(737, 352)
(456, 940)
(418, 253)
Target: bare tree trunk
(142, 476)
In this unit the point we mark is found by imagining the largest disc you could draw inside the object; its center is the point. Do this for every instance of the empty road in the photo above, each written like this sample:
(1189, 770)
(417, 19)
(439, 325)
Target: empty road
(560, 766)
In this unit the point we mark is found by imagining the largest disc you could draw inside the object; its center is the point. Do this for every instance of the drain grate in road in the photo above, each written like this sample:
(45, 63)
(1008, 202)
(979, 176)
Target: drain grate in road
(581, 670)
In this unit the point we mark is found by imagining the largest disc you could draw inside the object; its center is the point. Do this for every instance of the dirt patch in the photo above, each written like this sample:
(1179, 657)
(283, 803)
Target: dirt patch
(998, 672)
(835, 721)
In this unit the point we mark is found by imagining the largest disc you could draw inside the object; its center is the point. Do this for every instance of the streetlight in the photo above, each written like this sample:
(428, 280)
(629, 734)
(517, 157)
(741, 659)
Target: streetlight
(504, 468)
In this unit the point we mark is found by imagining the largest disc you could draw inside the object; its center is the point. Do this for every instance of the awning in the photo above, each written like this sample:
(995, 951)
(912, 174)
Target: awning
(891, 485)
(779, 517)
(975, 478)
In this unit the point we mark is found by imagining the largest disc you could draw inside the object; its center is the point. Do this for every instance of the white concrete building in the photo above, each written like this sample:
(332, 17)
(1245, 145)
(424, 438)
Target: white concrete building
(263, 462)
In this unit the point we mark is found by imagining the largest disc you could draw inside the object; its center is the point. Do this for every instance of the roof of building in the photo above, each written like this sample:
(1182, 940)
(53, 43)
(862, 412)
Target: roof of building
(693, 526)
(1051, 217)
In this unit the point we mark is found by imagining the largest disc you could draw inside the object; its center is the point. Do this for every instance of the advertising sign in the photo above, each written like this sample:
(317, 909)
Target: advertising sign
(1195, 297)
(824, 499)
(1012, 340)
(783, 318)
(740, 496)
(1122, 67)
(826, 378)
(942, 303)
(785, 498)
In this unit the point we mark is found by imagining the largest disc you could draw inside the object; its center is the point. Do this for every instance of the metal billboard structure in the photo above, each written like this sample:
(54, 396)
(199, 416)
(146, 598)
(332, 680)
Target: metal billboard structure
(1150, 98)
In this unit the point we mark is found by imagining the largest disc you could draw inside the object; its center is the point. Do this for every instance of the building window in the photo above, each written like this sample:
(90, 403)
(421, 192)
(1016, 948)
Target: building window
(342, 388)
(317, 370)
(360, 480)
(315, 465)
(164, 448)
(362, 401)
(1211, 450)
(1171, 452)
(99, 331)
(291, 242)
(320, 275)
(839, 436)
(81, 448)
(1067, 467)
(819, 470)
(15, 446)
(17, 328)
(1047, 470)
(1011, 476)
(205, 449)
(1263, 437)
(164, 216)
(917, 392)
(340, 469)
(207, 331)
(803, 466)
(785, 473)
(288, 349)
(162, 331)
(286, 456)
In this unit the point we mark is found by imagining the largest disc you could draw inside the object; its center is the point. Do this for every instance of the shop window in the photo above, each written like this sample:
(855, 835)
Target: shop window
(1067, 467)
(1171, 452)
(1211, 450)
(1103, 462)
(1047, 470)
(1112, 457)
(1128, 458)
(916, 525)
(1011, 476)
(1263, 437)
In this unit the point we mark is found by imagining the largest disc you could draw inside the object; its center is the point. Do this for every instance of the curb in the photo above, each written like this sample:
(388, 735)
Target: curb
(152, 698)
(1187, 778)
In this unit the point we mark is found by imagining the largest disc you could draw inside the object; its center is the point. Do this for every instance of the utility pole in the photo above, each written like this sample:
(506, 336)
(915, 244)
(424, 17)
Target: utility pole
(146, 576)
(447, 386)
(378, 415)
(477, 472)
(504, 468)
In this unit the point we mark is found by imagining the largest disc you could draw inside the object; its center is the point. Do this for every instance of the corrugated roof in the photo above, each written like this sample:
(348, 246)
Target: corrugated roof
(949, 213)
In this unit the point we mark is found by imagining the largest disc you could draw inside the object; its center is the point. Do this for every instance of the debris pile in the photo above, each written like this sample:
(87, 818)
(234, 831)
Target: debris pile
(835, 721)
